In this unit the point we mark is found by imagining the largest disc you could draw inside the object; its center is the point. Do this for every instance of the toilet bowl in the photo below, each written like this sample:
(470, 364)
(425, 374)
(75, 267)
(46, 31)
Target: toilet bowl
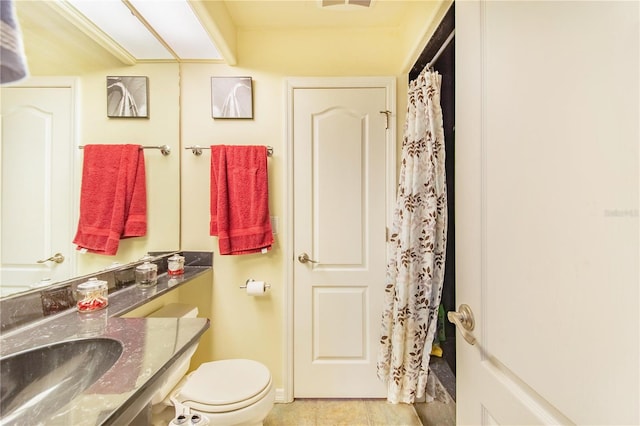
(228, 392)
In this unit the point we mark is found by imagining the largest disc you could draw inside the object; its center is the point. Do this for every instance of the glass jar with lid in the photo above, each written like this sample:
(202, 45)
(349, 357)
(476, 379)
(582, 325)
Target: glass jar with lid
(92, 295)
(175, 265)
(147, 274)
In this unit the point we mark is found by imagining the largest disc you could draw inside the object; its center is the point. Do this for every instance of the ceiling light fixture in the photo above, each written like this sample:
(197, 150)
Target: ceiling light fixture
(176, 23)
(151, 30)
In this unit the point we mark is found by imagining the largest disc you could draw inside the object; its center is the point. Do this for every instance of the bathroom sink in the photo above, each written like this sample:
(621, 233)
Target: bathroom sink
(35, 384)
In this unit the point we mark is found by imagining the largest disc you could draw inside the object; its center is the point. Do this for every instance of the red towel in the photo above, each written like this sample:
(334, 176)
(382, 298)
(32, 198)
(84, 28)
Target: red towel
(113, 197)
(240, 199)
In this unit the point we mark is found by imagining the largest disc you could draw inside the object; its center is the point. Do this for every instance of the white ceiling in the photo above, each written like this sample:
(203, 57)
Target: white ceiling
(278, 14)
(53, 36)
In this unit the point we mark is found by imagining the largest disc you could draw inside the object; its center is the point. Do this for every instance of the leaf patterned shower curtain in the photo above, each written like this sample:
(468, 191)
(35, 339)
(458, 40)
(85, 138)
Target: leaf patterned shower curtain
(417, 249)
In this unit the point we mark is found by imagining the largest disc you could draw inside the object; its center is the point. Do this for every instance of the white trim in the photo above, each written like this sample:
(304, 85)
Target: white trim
(292, 83)
(280, 397)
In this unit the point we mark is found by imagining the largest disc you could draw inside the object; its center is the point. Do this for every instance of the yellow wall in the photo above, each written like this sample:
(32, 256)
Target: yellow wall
(162, 172)
(180, 111)
(243, 326)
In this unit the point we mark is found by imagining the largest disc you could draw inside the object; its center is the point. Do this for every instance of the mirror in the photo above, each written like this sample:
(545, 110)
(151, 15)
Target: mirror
(41, 177)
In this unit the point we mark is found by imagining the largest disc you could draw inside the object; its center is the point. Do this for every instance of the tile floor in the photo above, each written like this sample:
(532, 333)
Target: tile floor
(360, 412)
(347, 412)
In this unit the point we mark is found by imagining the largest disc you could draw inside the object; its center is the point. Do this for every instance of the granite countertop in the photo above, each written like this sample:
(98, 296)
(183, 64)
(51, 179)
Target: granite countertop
(149, 347)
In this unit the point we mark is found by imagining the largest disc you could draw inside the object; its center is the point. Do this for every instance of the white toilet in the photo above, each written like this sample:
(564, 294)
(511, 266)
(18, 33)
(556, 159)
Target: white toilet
(226, 393)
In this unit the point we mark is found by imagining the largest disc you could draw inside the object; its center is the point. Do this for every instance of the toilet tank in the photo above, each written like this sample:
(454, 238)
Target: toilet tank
(181, 366)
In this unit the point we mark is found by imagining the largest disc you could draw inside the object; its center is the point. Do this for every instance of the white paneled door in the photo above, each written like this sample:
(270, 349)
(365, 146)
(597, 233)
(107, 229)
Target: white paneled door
(341, 187)
(37, 182)
(547, 186)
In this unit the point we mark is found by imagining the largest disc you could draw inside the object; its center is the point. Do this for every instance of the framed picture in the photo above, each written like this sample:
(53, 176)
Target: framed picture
(127, 97)
(231, 97)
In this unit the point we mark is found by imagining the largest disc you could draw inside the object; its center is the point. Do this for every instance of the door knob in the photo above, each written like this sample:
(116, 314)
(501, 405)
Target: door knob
(463, 319)
(58, 258)
(304, 258)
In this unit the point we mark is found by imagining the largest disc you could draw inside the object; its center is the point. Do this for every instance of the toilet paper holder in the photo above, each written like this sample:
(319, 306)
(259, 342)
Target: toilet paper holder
(266, 285)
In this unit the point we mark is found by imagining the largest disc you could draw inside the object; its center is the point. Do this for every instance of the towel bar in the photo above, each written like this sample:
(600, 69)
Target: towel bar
(165, 149)
(197, 149)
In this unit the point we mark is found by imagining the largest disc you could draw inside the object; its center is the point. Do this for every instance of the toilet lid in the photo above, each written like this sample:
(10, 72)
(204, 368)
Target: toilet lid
(226, 382)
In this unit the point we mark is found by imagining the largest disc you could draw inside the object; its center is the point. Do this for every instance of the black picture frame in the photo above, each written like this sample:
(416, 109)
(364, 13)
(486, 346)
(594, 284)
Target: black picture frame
(127, 97)
(231, 97)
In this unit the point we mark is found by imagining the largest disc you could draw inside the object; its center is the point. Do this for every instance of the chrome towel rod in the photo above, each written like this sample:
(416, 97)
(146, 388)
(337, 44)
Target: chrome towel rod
(165, 149)
(197, 149)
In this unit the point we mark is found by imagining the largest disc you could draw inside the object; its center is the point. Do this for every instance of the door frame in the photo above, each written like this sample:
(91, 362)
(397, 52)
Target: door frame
(291, 84)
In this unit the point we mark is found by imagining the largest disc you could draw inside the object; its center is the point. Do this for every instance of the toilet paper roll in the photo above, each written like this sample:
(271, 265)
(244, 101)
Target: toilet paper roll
(256, 288)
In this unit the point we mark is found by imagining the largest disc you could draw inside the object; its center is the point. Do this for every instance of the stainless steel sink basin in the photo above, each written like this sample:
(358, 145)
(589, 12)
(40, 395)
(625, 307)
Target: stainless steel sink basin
(35, 384)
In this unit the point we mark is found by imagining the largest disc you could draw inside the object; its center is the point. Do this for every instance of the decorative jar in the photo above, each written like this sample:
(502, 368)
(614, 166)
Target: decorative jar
(175, 265)
(92, 295)
(147, 274)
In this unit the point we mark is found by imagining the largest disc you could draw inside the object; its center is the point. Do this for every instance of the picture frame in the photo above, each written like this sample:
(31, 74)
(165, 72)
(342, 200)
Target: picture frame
(231, 97)
(127, 97)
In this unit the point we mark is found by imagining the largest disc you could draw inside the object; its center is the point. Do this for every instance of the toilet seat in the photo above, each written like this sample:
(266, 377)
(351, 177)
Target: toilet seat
(227, 385)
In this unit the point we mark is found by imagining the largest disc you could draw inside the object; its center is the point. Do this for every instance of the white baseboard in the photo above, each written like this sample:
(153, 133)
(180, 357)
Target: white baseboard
(280, 396)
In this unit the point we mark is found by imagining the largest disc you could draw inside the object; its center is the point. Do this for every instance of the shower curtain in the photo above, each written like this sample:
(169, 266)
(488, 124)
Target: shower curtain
(417, 248)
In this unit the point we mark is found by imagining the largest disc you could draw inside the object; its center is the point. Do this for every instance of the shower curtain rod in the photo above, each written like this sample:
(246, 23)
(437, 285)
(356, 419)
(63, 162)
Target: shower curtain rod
(444, 46)
(440, 39)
